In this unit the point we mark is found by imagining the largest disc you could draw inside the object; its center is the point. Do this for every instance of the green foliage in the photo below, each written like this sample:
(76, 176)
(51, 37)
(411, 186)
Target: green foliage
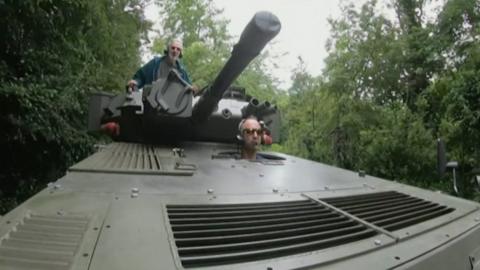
(194, 20)
(57, 53)
(204, 35)
(42, 137)
(258, 82)
(203, 63)
(399, 147)
(207, 45)
(389, 89)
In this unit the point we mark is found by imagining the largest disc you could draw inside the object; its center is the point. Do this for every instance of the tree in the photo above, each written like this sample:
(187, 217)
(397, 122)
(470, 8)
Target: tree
(57, 53)
(389, 88)
(207, 45)
(193, 20)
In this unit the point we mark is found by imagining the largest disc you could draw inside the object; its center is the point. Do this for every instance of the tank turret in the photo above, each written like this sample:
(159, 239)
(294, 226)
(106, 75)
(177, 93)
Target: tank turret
(166, 109)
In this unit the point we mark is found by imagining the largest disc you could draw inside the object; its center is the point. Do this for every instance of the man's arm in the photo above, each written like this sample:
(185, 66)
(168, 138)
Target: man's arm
(144, 75)
(186, 78)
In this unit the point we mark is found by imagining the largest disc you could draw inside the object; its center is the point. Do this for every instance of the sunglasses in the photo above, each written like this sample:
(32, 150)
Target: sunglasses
(250, 131)
(173, 48)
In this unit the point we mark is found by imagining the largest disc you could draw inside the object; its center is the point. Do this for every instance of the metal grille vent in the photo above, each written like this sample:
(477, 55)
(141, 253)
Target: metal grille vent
(390, 210)
(135, 158)
(207, 235)
(43, 242)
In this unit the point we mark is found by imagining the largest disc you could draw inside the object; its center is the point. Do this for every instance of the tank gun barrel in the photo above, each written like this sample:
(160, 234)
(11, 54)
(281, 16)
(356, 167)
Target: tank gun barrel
(263, 27)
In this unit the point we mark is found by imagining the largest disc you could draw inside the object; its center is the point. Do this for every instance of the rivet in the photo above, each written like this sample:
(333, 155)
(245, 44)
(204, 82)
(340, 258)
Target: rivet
(135, 190)
(261, 175)
(134, 195)
(327, 188)
(275, 190)
(210, 190)
(477, 219)
(57, 186)
(377, 242)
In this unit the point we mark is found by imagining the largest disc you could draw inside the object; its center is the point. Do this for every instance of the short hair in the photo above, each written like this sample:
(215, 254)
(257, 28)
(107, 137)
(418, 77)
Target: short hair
(176, 40)
(167, 49)
(240, 125)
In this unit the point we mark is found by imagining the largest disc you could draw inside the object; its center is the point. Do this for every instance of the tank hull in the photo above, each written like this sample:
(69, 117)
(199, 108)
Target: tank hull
(194, 205)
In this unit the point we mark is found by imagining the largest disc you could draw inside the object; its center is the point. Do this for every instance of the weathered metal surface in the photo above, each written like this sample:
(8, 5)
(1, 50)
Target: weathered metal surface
(135, 159)
(43, 242)
(259, 215)
(225, 233)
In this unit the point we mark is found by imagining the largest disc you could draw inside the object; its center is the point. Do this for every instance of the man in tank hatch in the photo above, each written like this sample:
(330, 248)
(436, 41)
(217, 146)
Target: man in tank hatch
(251, 133)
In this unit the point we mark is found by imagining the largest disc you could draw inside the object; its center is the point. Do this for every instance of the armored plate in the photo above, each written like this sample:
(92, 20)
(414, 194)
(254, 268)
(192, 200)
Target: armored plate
(133, 206)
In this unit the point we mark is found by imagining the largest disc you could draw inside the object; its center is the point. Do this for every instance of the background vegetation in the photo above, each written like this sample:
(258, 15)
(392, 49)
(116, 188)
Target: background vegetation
(390, 86)
(52, 56)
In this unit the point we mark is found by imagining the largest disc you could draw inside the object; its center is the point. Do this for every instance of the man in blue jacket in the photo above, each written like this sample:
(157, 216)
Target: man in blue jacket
(159, 67)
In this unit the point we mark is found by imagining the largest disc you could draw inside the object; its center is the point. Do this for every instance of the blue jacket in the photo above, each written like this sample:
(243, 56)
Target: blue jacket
(148, 73)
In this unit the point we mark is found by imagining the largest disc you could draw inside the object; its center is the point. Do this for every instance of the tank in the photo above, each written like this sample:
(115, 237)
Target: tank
(171, 193)
(166, 112)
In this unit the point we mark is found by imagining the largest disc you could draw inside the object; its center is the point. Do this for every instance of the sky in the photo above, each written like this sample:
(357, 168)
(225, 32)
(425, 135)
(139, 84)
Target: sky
(305, 30)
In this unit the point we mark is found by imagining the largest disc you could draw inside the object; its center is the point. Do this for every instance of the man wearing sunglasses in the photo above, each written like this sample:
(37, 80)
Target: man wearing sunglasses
(159, 67)
(251, 134)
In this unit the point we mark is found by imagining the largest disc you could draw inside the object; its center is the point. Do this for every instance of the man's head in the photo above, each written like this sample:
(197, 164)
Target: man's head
(174, 50)
(251, 133)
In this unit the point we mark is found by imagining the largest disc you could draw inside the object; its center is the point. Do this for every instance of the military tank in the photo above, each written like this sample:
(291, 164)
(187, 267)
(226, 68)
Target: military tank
(171, 193)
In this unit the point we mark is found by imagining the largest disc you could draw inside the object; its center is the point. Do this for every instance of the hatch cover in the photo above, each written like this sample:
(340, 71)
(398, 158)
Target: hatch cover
(135, 159)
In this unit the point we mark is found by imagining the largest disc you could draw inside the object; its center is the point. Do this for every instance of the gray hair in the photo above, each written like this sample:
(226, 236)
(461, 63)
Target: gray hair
(240, 125)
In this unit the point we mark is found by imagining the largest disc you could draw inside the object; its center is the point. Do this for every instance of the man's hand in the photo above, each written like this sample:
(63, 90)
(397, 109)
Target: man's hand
(194, 89)
(131, 86)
